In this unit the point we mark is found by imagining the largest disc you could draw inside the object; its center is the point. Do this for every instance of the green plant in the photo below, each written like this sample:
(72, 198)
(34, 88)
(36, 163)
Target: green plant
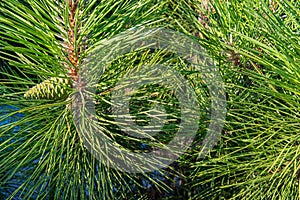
(258, 45)
(43, 45)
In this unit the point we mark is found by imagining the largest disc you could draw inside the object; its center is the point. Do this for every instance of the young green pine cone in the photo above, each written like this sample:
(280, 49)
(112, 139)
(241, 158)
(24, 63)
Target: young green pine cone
(53, 88)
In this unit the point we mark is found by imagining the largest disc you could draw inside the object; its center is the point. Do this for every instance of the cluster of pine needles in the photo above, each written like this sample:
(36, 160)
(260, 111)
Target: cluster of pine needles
(256, 47)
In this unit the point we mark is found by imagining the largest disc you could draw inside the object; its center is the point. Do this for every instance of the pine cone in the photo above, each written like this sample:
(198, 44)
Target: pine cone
(53, 89)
